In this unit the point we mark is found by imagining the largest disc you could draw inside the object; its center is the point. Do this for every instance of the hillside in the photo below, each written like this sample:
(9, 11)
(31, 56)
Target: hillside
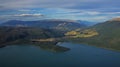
(108, 35)
(63, 25)
(8, 34)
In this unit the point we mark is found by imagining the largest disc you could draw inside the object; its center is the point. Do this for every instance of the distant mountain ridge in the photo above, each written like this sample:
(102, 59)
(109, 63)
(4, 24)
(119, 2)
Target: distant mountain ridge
(87, 23)
(48, 24)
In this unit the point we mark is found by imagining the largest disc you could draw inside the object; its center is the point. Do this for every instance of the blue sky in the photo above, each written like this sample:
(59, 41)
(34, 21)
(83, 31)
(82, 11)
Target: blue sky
(89, 10)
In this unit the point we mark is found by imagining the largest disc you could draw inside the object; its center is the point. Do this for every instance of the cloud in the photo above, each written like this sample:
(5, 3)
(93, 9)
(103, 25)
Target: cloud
(91, 10)
(74, 4)
(24, 10)
(1, 6)
(89, 13)
(26, 17)
(59, 13)
(29, 15)
(112, 13)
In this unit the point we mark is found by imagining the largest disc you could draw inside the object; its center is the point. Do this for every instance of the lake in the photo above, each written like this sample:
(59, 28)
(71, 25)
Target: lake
(79, 55)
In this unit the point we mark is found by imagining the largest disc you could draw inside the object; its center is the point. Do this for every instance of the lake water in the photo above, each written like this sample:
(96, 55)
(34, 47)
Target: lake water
(78, 56)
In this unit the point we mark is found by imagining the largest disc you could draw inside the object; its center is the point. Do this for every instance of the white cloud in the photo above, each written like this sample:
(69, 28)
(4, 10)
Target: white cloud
(93, 13)
(82, 12)
(29, 15)
(112, 13)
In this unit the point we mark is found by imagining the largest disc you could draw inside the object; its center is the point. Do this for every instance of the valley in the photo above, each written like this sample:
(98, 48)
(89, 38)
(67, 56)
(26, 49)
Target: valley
(105, 35)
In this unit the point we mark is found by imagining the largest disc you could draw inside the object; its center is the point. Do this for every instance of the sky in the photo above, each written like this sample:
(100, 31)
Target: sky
(87, 10)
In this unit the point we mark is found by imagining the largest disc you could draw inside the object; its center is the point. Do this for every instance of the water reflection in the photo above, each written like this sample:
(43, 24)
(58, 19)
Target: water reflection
(51, 46)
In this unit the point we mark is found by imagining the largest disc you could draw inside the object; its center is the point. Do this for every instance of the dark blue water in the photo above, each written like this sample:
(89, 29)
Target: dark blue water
(78, 56)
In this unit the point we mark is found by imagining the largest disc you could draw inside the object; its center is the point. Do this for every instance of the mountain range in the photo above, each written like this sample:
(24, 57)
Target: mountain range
(63, 25)
(16, 29)
(106, 34)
